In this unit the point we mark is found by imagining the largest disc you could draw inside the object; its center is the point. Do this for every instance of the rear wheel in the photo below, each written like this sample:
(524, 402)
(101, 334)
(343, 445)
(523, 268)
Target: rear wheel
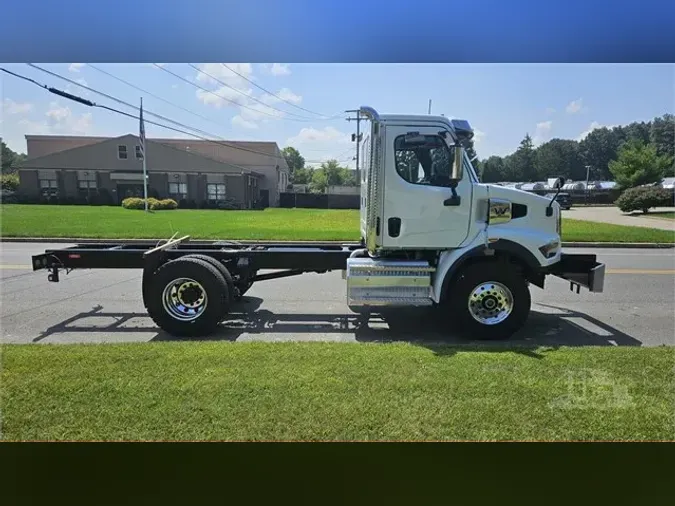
(222, 269)
(188, 297)
(489, 301)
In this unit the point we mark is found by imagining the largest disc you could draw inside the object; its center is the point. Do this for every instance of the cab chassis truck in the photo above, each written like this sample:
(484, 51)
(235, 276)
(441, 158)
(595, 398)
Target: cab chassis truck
(431, 235)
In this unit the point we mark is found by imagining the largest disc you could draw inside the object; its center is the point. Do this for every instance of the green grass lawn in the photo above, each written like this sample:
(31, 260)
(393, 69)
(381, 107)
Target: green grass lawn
(334, 391)
(271, 224)
(590, 231)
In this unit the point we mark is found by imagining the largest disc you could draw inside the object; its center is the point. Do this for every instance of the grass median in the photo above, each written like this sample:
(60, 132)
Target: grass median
(271, 224)
(334, 391)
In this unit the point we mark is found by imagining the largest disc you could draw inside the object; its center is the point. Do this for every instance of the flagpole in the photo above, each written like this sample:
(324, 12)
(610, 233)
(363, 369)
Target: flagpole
(145, 169)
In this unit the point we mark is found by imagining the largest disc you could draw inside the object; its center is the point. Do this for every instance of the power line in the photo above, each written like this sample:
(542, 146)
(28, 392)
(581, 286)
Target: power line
(115, 99)
(153, 95)
(90, 103)
(280, 98)
(226, 99)
(247, 95)
(182, 130)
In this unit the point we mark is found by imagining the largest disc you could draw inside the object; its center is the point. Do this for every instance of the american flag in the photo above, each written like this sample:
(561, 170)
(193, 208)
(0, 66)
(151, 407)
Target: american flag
(142, 132)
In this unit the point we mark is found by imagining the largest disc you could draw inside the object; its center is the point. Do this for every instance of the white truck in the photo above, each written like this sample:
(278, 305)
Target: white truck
(431, 235)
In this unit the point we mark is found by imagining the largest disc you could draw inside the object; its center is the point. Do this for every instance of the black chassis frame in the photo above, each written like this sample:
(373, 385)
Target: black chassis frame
(244, 258)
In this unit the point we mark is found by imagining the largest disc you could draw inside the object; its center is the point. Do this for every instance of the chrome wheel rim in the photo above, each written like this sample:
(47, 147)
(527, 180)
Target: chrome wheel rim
(490, 303)
(184, 299)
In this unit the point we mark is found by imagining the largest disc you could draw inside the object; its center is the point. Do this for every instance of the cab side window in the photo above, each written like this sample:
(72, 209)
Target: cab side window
(424, 160)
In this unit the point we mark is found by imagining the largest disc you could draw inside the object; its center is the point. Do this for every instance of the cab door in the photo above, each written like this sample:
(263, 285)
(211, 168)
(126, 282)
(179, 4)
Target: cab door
(419, 208)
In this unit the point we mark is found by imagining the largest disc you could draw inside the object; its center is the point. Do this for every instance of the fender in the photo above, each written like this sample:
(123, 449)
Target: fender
(512, 249)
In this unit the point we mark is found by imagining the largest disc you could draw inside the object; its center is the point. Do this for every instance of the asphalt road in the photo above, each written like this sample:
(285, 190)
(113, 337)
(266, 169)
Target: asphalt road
(105, 306)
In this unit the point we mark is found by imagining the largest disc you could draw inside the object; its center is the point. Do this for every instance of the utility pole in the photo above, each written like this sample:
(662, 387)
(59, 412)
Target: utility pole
(357, 138)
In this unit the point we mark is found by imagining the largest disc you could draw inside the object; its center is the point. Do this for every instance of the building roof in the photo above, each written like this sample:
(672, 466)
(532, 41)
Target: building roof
(64, 159)
(245, 153)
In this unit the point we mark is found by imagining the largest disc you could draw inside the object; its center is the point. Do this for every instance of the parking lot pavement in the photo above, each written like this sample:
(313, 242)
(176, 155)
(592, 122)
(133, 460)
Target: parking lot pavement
(105, 306)
(613, 215)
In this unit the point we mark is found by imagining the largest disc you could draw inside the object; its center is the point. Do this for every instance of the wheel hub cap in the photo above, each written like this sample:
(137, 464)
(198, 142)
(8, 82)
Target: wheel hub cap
(490, 303)
(184, 299)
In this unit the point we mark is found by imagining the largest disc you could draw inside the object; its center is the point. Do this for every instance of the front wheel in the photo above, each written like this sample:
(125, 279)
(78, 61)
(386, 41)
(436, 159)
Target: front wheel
(489, 301)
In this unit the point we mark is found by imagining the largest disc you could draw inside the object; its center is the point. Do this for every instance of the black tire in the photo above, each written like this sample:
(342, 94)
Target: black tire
(473, 277)
(222, 269)
(214, 285)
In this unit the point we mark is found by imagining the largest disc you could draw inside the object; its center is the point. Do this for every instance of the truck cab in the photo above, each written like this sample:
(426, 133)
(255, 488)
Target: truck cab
(433, 234)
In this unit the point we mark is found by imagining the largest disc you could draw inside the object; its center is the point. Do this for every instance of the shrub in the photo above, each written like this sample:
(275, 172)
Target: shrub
(643, 198)
(153, 204)
(229, 204)
(10, 182)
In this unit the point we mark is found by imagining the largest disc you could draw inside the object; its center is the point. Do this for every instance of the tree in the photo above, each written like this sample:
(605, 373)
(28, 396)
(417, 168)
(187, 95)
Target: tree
(638, 164)
(559, 157)
(330, 173)
(319, 181)
(599, 148)
(524, 160)
(662, 135)
(492, 170)
(9, 159)
(294, 159)
(303, 175)
(634, 131)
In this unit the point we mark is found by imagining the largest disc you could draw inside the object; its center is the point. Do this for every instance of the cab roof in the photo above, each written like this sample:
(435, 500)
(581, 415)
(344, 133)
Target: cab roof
(413, 118)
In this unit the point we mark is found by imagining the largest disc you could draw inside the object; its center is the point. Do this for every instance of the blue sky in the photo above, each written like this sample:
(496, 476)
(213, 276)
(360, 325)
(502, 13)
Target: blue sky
(501, 101)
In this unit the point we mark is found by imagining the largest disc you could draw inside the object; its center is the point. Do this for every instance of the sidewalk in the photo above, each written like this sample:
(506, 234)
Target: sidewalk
(614, 216)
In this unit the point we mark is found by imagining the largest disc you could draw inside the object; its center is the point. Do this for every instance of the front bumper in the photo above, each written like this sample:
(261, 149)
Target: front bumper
(580, 270)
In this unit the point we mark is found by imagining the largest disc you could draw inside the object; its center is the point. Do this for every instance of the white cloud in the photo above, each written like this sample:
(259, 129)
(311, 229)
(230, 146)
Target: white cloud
(57, 119)
(317, 144)
(574, 106)
(313, 135)
(11, 107)
(75, 67)
(543, 132)
(286, 95)
(222, 73)
(593, 126)
(478, 136)
(229, 86)
(280, 69)
(241, 122)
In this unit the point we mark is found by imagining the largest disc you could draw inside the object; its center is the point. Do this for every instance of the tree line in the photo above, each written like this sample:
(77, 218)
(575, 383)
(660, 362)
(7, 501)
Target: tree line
(638, 153)
(328, 173)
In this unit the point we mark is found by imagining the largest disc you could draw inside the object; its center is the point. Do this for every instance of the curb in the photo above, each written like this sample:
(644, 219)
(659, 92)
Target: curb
(61, 240)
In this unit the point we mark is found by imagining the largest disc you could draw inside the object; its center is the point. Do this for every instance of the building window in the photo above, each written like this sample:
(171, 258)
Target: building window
(215, 192)
(139, 155)
(178, 191)
(122, 152)
(87, 185)
(49, 187)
